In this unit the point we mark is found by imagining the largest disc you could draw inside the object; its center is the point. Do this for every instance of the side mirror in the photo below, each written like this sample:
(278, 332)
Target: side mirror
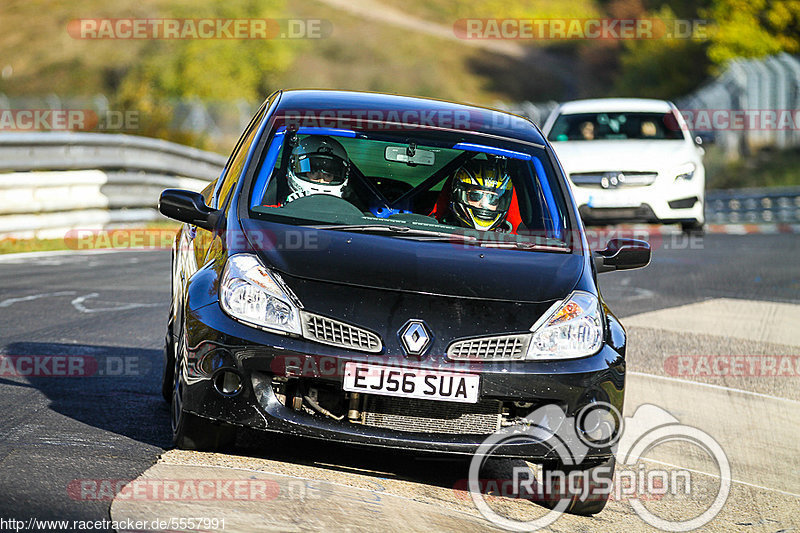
(622, 254)
(189, 207)
(704, 137)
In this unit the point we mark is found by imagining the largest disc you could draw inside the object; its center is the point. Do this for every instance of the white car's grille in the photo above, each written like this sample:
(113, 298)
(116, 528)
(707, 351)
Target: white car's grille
(336, 333)
(498, 348)
(613, 179)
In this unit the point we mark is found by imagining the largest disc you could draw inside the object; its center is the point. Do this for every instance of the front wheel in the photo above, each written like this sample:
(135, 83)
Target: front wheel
(693, 228)
(168, 374)
(594, 486)
(192, 432)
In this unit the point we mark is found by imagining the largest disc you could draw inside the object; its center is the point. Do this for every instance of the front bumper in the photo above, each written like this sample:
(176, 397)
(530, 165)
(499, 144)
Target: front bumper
(259, 357)
(662, 202)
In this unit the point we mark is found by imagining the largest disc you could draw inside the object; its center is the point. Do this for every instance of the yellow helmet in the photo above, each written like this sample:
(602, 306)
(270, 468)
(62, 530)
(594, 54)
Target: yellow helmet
(481, 193)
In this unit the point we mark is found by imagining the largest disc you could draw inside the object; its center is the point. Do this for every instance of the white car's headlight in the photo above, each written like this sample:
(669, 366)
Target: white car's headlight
(573, 329)
(685, 171)
(249, 292)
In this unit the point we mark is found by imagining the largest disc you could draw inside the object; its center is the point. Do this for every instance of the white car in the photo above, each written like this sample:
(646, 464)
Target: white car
(630, 160)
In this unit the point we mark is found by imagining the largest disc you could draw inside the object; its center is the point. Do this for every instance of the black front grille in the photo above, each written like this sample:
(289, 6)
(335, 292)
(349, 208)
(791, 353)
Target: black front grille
(498, 348)
(614, 179)
(683, 203)
(643, 213)
(337, 333)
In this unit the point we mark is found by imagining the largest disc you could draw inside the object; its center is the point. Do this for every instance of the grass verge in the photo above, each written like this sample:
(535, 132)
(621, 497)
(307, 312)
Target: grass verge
(156, 235)
(768, 168)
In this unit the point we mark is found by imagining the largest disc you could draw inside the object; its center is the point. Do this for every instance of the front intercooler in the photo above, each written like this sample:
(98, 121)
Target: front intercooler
(427, 416)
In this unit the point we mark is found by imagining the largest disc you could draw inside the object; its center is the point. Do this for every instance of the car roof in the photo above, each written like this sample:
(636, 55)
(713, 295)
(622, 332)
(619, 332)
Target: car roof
(632, 105)
(388, 107)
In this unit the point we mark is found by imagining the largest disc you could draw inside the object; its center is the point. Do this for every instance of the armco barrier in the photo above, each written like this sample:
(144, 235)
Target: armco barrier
(753, 206)
(79, 151)
(90, 180)
(53, 182)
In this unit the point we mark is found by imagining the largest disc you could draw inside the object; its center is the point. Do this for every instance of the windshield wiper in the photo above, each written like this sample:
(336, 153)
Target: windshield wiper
(522, 245)
(431, 235)
(400, 231)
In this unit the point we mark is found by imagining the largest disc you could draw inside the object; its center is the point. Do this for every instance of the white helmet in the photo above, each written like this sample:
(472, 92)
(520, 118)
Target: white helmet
(318, 165)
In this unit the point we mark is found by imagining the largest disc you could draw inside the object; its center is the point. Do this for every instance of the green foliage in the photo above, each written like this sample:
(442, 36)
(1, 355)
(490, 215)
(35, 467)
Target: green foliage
(528, 9)
(768, 168)
(214, 68)
(663, 68)
(753, 28)
(365, 54)
(447, 11)
(172, 70)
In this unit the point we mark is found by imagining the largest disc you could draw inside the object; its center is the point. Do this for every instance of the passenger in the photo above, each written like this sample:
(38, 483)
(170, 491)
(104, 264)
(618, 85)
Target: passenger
(481, 196)
(649, 129)
(587, 130)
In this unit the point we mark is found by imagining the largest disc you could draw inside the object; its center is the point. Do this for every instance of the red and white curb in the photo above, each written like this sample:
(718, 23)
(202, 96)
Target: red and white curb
(745, 229)
(728, 229)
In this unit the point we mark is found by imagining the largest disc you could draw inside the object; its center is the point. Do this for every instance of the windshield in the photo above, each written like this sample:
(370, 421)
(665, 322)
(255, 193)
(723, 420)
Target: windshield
(425, 186)
(615, 126)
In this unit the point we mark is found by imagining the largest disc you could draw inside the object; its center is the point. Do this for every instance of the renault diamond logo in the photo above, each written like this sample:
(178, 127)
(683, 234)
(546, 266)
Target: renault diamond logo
(415, 337)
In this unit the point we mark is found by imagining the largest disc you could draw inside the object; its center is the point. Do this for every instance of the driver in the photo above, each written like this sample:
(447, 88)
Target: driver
(318, 165)
(481, 195)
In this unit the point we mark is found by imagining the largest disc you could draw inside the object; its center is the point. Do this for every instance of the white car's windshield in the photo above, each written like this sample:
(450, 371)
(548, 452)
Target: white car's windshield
(615, 126)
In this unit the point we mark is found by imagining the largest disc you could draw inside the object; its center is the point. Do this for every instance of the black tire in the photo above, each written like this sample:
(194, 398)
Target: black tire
(597, 494)
(168, 373)
(200, 434)
(693, 228)
(192, 432)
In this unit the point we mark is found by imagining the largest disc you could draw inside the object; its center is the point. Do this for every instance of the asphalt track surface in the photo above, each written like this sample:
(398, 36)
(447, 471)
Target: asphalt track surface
(112, 424)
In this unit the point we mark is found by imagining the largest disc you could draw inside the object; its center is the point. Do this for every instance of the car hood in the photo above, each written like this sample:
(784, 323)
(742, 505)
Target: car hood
(437, 268)
(639, 155)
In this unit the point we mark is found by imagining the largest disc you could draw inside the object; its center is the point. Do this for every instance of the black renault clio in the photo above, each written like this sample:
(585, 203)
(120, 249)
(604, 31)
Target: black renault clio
(388, 271)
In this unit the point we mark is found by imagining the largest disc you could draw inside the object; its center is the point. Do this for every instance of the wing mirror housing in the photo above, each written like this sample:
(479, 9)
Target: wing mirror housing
(622, 254)
(189, 207)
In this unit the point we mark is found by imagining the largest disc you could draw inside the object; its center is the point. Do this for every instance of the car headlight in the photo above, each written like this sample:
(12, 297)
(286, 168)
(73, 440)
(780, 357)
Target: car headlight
(252, 294)
(573, 328)
(685, 172)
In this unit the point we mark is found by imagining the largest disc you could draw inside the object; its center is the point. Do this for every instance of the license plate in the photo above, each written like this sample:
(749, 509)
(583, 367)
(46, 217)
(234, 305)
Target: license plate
(613, 200)
(411, 383)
